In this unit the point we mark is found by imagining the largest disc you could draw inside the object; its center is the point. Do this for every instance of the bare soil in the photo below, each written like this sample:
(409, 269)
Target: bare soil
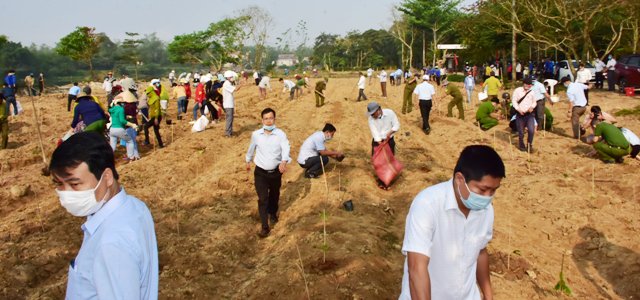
(557, 201)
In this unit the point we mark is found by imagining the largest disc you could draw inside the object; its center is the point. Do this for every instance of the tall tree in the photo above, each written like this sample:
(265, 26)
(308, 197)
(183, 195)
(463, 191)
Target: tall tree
(435, 15)
(81, 45)
(259, 23)
(131, 50)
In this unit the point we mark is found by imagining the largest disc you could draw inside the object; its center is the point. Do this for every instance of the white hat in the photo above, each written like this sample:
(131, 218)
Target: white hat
(229, 74)
(154, 81)
(425, 77)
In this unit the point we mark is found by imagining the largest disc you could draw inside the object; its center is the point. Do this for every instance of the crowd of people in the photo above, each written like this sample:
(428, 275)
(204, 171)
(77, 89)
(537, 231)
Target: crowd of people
(83, 165)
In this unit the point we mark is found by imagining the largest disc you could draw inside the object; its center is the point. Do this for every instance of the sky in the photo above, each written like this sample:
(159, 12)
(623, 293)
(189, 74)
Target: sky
(46, 21)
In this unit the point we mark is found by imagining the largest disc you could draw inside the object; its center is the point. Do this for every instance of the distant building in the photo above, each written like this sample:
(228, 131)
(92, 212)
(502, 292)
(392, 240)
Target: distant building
(288, 60)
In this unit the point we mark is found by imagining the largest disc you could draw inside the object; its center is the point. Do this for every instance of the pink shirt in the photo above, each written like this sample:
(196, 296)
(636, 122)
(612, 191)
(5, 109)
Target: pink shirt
(527, 104)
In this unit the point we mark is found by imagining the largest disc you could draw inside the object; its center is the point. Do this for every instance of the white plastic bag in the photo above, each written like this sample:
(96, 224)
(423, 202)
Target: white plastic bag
(164, 104)
(206, 110)
(18, 106)
(200, 124)
(482, 96)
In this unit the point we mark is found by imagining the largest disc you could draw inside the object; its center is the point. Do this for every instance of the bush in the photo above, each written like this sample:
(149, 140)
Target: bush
(455, 78)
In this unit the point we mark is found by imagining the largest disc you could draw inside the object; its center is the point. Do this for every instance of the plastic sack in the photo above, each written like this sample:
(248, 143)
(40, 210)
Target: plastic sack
(18, 107)
(206, 110)
(482, 96)
(200, 124)
(385, 164)
(164, 104)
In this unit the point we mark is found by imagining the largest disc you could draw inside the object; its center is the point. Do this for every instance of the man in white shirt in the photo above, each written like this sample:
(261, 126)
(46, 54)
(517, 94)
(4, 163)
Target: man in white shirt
(448, 228)
(426, 93)
(172, 76)
(361, 84)
(383, 124)
(577, 103)
(383, 82)
(524, 102)
(611, 73)
(599, 66)
(118, 258)
(289, 86)
(540, 94)
(469, 85)
(583, 76)
(313, 150)
(228, 101)
(263, 85)
(633, 140)
(518, 71)
(271, 149)
(370, 75)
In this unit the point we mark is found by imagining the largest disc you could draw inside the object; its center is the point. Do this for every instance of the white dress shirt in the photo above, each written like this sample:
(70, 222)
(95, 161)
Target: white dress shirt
(611, 64)
(599, 65)
(575, 93)
(435, 227)
(383, 76)
(227, 94)
(631, 137)
(361, 82)
(270, 149)
(526, 104)
(538, 90)
(288, 84)
(583, 76)
(381, 126)
(425, 91)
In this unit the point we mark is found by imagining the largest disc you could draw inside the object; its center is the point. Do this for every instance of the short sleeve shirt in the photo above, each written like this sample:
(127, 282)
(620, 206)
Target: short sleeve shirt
(435, 227)
(425, 91)
(484, 110)
(311, 146)
(227, 95)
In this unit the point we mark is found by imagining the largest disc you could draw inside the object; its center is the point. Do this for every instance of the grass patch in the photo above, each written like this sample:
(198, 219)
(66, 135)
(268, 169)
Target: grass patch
(629, 112)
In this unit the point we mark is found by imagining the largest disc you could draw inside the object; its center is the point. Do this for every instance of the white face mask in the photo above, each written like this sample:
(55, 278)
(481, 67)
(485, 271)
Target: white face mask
(81, 203)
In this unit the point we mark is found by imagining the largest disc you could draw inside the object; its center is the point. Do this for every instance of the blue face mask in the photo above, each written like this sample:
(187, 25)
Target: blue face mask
(269, 128)
(610, 57)
(475, 201)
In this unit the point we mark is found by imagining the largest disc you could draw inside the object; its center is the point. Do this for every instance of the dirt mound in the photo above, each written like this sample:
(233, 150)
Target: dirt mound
(204, 205)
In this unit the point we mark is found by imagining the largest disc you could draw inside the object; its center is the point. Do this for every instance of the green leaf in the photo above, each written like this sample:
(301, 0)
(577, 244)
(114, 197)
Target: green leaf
(562, 285)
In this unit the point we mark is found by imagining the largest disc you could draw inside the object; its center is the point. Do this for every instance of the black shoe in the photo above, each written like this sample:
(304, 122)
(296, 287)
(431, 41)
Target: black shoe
(264, 233)
(274, 219)
(310, 175)
(619, 160)
(523, 149)
(427, 131)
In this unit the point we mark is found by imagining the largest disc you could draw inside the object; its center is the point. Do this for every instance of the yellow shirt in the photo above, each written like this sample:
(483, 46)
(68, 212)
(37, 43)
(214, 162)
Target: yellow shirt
(493, 85)
(487, 71)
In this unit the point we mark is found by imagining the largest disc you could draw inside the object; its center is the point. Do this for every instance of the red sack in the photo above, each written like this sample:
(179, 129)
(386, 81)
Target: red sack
(386, 166)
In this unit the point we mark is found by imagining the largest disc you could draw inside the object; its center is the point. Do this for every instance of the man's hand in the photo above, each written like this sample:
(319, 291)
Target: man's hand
(282, 167)
(248, 166)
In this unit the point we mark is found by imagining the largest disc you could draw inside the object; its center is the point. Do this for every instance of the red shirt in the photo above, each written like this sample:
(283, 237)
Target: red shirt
(200, 95)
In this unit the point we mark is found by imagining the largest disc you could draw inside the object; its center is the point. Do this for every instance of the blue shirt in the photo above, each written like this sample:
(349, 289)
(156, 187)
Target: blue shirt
(311, 146)
(538, 90)
(74, 90)
(87, 111)
(469, 82)
(118, 258)
(10, 80)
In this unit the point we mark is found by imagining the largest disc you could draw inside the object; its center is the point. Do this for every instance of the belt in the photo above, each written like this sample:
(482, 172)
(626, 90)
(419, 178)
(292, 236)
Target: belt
(425, 99)
(267, 171)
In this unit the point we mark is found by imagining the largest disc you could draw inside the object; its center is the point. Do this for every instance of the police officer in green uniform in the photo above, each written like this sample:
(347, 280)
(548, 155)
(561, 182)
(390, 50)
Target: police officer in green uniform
(409, 87)
(454, 92)
(487, 114)
(610, 143)
(320, 87)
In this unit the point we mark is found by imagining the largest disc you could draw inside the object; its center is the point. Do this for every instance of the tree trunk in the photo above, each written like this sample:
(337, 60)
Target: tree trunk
(424, 49)
(513, 42)
(91, 69)
(636, 37)
(435, 45)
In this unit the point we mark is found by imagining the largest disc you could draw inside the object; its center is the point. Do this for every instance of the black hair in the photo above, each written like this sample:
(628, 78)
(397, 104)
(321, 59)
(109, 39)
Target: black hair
(174, 84)
(280, 79)
(329, 128)
(88, 147)
(268, 110)
(75, 83)
(565, 79)
(596, 109)
(635, 149)
(495, 100)
(476, 161)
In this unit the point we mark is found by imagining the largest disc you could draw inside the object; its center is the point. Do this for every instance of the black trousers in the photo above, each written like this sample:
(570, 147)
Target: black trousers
(361, 94)
(392, 144)
(599, 80)
(611, 80)
(212, 110)
(268, 189)
(70, 99)
(156, 131)
(425, 110)
(312, 165)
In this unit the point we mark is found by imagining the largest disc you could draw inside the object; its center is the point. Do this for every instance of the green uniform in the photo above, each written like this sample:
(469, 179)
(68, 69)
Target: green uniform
(454, 92)
(483, 115)
(409, 87)
(4, 124)
(320, 87)
(548, 119)
(613, 146)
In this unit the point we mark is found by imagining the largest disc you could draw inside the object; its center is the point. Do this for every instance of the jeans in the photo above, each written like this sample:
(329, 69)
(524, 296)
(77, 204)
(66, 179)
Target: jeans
(134, 134)
(11, 100)
(425, 110)
(527, 120)
(361, 94)
(196, 107)
(228, 126)
(121, 133)
(182, 105)
(469, 93)
(313, 166)
(267, 185)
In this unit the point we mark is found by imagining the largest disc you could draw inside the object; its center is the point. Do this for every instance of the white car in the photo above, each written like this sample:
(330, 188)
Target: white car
(564, 71)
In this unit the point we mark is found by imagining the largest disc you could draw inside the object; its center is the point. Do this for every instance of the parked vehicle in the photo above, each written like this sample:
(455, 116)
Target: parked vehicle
(564, 71)
(628, 72)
